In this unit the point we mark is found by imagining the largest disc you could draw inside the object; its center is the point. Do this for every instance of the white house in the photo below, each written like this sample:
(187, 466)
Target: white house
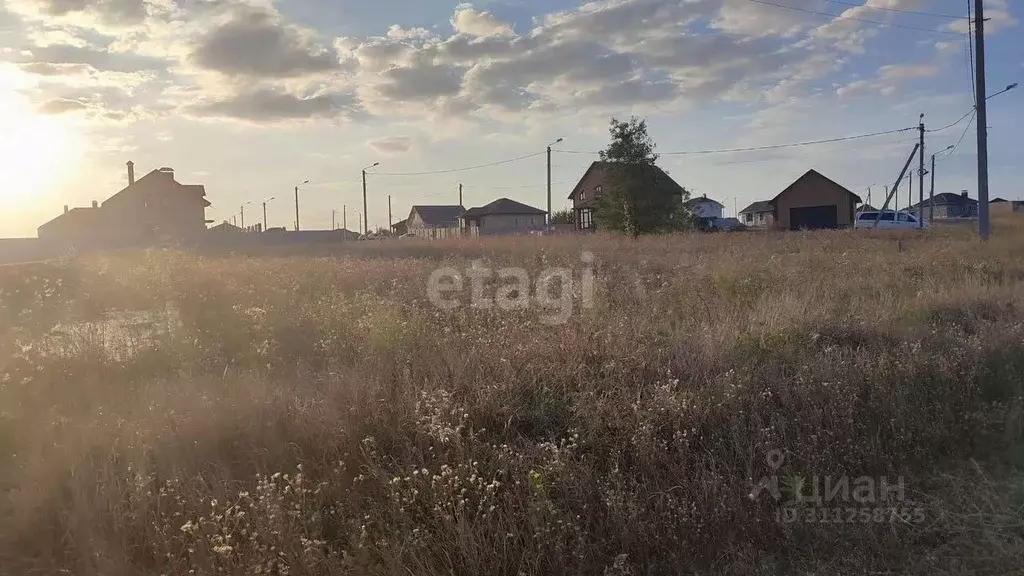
(705, 208)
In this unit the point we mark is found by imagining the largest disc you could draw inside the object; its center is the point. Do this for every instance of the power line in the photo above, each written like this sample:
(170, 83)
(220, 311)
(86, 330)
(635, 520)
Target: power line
(840, 16)
(769, 147)
(948, 126)
(451, 170)
(966, 130)
(901, 11)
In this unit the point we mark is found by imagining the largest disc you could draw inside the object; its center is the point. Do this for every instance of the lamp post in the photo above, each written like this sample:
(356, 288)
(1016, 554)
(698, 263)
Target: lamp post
(241, 209)
(365, 217)
(549, 181)
(931, 193)
(297, 204)
(265, 212)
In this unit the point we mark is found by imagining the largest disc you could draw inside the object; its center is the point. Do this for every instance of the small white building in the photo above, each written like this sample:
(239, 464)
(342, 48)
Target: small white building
(705, 208)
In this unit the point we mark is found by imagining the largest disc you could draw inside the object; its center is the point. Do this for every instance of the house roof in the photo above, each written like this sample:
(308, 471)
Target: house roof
(812, 173)
(693, 202)
(400, 223)
(197, 190)
(951, 199)
(76, 216)
(761, 206)
(437, 215)
(503, 206)
(661, 178)
(225, 227)
(998, 200)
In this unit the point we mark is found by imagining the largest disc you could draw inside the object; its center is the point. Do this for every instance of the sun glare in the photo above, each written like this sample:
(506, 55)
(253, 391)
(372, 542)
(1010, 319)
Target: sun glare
(36, 150)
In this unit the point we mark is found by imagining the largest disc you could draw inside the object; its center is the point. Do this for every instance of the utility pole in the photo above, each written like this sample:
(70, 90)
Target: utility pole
(979, 52)
(333, 226)
(242, 210)
(296, 208)
(366, 225)
(910, 190)
(390, 222)
(364, 198)
(344, 217)
(234, 221)
(548, 220)
(931, 194)
(920, 175)
(460, 193)
(265, 212)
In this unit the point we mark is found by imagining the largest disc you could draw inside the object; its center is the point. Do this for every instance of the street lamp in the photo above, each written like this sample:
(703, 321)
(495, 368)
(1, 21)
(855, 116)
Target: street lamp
(1007, 89)
(297, 204)
(242, 210)
(265, 212)
(931, 193)
(365, 218)
(549, 180)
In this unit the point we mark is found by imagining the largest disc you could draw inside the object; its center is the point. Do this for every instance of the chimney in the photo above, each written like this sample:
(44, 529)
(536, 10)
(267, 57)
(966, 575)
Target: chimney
(95, 204)
(65, 208)
(963, 193)
(131, 172)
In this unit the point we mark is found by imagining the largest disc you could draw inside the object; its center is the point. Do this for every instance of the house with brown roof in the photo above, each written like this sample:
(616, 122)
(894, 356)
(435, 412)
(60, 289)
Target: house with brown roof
(503, 216)
(154, 209)
(75, 228)
(600, 176)
(439, 221)
(812, 201)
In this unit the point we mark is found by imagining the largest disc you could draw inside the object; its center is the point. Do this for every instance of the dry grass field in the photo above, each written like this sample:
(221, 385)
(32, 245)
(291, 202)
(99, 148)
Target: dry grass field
(170, 413)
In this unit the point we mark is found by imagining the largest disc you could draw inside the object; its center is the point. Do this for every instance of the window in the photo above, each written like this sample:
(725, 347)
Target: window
(583, 195)
(748, 217)
(905, 218)
(597, 191)
(868, 216)
(586, 219)
(888, 217)
(760, 217)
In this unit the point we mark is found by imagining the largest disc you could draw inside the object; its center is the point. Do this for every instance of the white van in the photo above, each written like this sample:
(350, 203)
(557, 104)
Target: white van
(888, 221)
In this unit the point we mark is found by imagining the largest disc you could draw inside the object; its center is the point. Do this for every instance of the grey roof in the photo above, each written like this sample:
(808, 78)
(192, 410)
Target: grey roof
(692, 202)
(762, 206)
(439, 215)
(503, 206)
(951, 199)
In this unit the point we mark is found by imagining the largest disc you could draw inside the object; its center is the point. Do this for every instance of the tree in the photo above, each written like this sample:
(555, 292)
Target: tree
(637, 200)
(562, 217)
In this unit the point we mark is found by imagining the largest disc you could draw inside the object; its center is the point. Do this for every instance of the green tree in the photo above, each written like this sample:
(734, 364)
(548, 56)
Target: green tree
(562, 217)
(639, 198)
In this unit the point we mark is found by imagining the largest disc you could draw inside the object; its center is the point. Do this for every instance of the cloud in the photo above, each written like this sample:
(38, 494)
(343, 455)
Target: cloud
(60, 106)
(97, 58)
(392, 144)
(474, 23)
(256, 43)
(888, 79)
(122, 11)
(264, 106)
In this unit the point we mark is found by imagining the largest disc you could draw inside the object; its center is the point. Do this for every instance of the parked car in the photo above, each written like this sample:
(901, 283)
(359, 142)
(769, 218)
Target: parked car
(888, 221)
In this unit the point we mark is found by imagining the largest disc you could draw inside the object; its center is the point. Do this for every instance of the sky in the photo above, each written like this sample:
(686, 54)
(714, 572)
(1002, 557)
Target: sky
(252, 97)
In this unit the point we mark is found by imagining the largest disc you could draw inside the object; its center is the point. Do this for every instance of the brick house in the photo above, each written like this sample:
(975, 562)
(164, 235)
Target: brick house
(154, 209)
(600, 176)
